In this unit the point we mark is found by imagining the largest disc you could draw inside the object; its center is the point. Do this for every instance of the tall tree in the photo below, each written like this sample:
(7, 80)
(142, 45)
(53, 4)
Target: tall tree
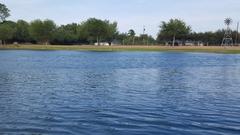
(122, 37)
(96, 30)
(174, 28)
(7, 30)
(111, 31)
(22, 31)
(132, 34)
(4, 12)
(42, 31)
(66, 34)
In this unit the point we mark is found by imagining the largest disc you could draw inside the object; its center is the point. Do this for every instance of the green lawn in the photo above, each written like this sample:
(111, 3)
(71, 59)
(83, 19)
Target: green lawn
(212, 49)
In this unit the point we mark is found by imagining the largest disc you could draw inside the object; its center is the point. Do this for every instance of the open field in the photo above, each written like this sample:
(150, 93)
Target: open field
(210, 49)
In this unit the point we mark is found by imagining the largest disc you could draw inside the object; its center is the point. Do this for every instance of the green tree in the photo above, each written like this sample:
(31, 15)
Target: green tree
(7, 30)
(175, 28)
(4, 12)
(22, 31)
(122, 37)
(42, 31)
(132, 34)
(97, 30)
(66, 34)
(112, 31)
(94, 29)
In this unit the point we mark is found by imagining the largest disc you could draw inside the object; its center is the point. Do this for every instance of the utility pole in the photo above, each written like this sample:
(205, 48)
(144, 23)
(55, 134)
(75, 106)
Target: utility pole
(236, 42)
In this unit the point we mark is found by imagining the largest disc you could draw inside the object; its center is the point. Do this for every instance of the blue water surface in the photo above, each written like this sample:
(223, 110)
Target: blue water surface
(119, 93)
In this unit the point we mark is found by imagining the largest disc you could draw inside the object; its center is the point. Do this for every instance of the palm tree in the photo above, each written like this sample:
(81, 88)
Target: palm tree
(132, 34)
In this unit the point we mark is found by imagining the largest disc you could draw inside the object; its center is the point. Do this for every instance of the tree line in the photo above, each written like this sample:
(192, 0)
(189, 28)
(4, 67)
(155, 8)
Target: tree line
(88, 32)
(95, 31)
(47, 32)
(177, 29)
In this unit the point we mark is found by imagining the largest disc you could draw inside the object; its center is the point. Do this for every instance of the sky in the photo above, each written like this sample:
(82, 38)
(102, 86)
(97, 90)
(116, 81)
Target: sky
(201, 15)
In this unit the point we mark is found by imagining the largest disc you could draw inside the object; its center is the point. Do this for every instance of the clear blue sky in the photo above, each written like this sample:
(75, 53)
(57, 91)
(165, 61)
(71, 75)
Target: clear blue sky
(202, 15)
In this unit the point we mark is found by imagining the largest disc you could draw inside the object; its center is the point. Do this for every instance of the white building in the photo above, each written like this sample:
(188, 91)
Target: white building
(102, 44)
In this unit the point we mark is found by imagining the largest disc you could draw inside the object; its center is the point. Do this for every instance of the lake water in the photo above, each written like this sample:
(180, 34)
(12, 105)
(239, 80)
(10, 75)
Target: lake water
(120, 93)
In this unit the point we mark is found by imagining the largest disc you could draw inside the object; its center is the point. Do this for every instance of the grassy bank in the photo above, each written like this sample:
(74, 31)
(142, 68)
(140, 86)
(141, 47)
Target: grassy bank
(210, 49)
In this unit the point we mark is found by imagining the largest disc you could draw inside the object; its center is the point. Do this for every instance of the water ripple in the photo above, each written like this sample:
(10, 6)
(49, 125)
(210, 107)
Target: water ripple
(71, 93)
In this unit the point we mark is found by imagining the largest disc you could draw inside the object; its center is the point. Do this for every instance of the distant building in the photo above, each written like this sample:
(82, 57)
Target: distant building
(189, 43)
(200, 43)
(116, 42)
(177, 43)
(102, 44)
(185, 43)
(193, 43)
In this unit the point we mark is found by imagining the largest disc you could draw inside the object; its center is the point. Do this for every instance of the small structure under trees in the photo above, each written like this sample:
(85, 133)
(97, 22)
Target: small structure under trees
(175, 28)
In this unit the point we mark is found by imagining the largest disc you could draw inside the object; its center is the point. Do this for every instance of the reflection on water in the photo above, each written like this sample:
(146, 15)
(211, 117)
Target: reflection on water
(67, 92)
